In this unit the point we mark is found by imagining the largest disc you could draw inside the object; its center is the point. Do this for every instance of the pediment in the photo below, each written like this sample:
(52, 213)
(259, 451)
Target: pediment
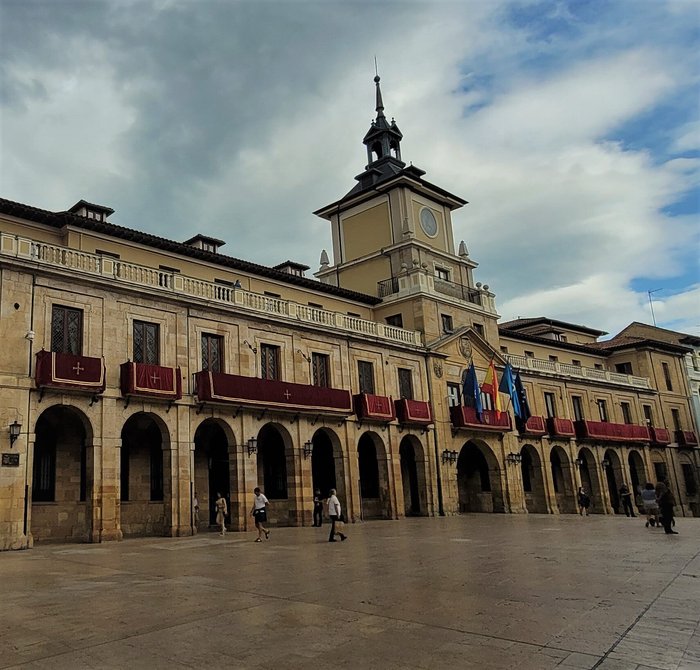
(464, 346)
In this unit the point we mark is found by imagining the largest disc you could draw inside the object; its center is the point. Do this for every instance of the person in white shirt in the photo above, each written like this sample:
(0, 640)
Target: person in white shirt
(221, 512)
(334, 512)
(259, 512)
(195, 510)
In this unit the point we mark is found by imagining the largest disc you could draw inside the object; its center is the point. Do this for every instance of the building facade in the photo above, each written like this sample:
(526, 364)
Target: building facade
(138, 371)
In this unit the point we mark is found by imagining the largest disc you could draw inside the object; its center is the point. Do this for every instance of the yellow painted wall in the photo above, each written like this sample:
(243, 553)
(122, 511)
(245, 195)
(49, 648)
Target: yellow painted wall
(364, 277)
(366, 232)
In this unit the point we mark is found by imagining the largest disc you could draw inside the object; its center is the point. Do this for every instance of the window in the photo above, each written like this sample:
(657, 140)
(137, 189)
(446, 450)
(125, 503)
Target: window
(395, 320)
(626, 412)
(108, 254)
(270, 294)
(554, 359)
(479, 328)
(691, 487)
(577, 404)
(365, 372)
(676, 416)
(66, 330)
(667, 376)
(530, 354)
(550, 405)
(648, 416)
(660, 472)
(405, 383)
(486, 401)
(446, 323)
(598, 366)
(602, 409)
(355, 314)
(212, 352)
(576, 362)
(269, 361)
(504, 350)
(562, 338)
(315, 305)
(453, 394)
(146, 342)
(320, 365)
(623, 368)
(44, 483)
(443, 274)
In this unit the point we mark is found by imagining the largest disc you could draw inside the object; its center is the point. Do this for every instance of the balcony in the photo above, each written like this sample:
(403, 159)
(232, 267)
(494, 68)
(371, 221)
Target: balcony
(535, 425)
(271, 394)
(686, 438)
(150, 381)
(160, 282)
(554, 368)
(68, 372)
(369, 407)
(414, 412)
(459, 291)
(660, 436)
(561, 427)
(611, 432)
(466, 417)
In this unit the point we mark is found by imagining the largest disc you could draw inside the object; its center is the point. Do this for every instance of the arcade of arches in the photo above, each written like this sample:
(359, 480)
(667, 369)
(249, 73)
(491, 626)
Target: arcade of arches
(69, 476)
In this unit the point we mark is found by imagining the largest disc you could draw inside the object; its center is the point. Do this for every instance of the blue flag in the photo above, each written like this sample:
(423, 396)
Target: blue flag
(507, 385)
(471, 393)
(525, 413)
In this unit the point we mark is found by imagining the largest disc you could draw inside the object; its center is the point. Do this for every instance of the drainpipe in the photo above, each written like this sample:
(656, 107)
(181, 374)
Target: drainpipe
(25, 520)
(441, 508)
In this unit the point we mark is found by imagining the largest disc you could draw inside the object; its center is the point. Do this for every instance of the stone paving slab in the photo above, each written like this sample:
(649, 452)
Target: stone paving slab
(475, 591)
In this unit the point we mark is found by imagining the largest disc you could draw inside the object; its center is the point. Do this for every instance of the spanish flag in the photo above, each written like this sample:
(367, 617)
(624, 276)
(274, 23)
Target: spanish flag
(490, 388)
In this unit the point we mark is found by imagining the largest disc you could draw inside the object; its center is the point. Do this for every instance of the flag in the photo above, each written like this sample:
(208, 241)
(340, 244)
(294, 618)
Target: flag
(507, 386)
(525, 413)
(490, 387)
(471, 395)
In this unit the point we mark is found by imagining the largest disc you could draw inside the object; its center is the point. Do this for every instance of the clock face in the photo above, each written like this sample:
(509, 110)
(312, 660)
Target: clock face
(428, 222)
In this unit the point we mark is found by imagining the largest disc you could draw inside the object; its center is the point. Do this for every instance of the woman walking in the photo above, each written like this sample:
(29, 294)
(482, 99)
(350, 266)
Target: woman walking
(584, 501)
(666, 504)
(221, 512)
(259, 512)
(651, 507)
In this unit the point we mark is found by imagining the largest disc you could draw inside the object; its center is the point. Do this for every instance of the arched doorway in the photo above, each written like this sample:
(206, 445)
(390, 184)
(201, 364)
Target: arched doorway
(613, 478)
(327, 468)
(590, 480)
(533, 481)
(374, 477)
(62, 482)
(637, 475)
(658, 462)
(212, 470)
(413, 476)
(478, 479)
(143, 486)
(563, 481)
(276, 475)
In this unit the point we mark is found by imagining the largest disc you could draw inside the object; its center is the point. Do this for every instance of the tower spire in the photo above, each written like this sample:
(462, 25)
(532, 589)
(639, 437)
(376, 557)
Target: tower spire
(383, 139)
(380, 104)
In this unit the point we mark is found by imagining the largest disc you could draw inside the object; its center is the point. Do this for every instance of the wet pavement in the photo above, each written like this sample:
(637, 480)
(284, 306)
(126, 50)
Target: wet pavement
(475, 591)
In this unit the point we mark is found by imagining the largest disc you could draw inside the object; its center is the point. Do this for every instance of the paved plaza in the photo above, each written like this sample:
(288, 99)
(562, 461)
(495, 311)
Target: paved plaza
(475, 591)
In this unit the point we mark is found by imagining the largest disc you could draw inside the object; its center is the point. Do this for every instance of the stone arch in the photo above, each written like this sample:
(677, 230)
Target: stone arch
(659, 465)
(212, 468)
(62, 485)
(689, 482)
(278, 476)
(614, 478)
(638, 475)
(563, 480)
(144, 481)
(590, 480)
(413, 476)
(373, 468)
(479, 479)
(533, 480)
(328, 466)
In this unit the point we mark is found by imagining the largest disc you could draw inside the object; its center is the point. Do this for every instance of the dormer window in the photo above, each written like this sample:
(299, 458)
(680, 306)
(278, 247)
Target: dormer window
(210, 244)
(91, 211)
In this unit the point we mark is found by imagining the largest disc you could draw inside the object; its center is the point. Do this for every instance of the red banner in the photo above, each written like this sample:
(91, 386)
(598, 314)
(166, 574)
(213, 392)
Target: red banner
(466, 417)
(414, 411)
(69, 372)
(534, 426)
(561, 427)
(220, 387)
(152, 381)
(660, 436)
(374, 407)
(611, 432)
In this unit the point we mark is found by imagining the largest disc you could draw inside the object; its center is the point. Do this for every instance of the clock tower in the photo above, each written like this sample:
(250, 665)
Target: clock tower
(392, 238)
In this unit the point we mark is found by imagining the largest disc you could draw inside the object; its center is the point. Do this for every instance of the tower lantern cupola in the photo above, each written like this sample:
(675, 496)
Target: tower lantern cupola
(383, 139)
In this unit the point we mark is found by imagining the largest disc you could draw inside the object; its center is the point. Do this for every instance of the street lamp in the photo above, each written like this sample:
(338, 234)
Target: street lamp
(252, 446)
(308, 448)
(15, 429)
(449, 456)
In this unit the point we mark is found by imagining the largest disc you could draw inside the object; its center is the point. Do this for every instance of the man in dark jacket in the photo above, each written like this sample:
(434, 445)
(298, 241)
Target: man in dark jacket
(666, 505)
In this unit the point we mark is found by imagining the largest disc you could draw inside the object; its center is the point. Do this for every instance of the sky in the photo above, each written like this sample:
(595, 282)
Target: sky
(572, 127)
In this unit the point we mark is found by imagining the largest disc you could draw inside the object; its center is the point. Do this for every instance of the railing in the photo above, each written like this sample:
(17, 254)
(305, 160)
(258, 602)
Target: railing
(387, 287)
(578, 371)
(172, 282)
(613, 432)
(686, 438)
(457, 290)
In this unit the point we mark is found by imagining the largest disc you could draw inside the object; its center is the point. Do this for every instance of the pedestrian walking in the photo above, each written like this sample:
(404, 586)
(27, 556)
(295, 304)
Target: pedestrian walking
(650, 506)
(666, 504)
(318, 509)
(259, 513)
(335, 514)
(626, 497)
(195, 512)
(584, 501)
(221, 512)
